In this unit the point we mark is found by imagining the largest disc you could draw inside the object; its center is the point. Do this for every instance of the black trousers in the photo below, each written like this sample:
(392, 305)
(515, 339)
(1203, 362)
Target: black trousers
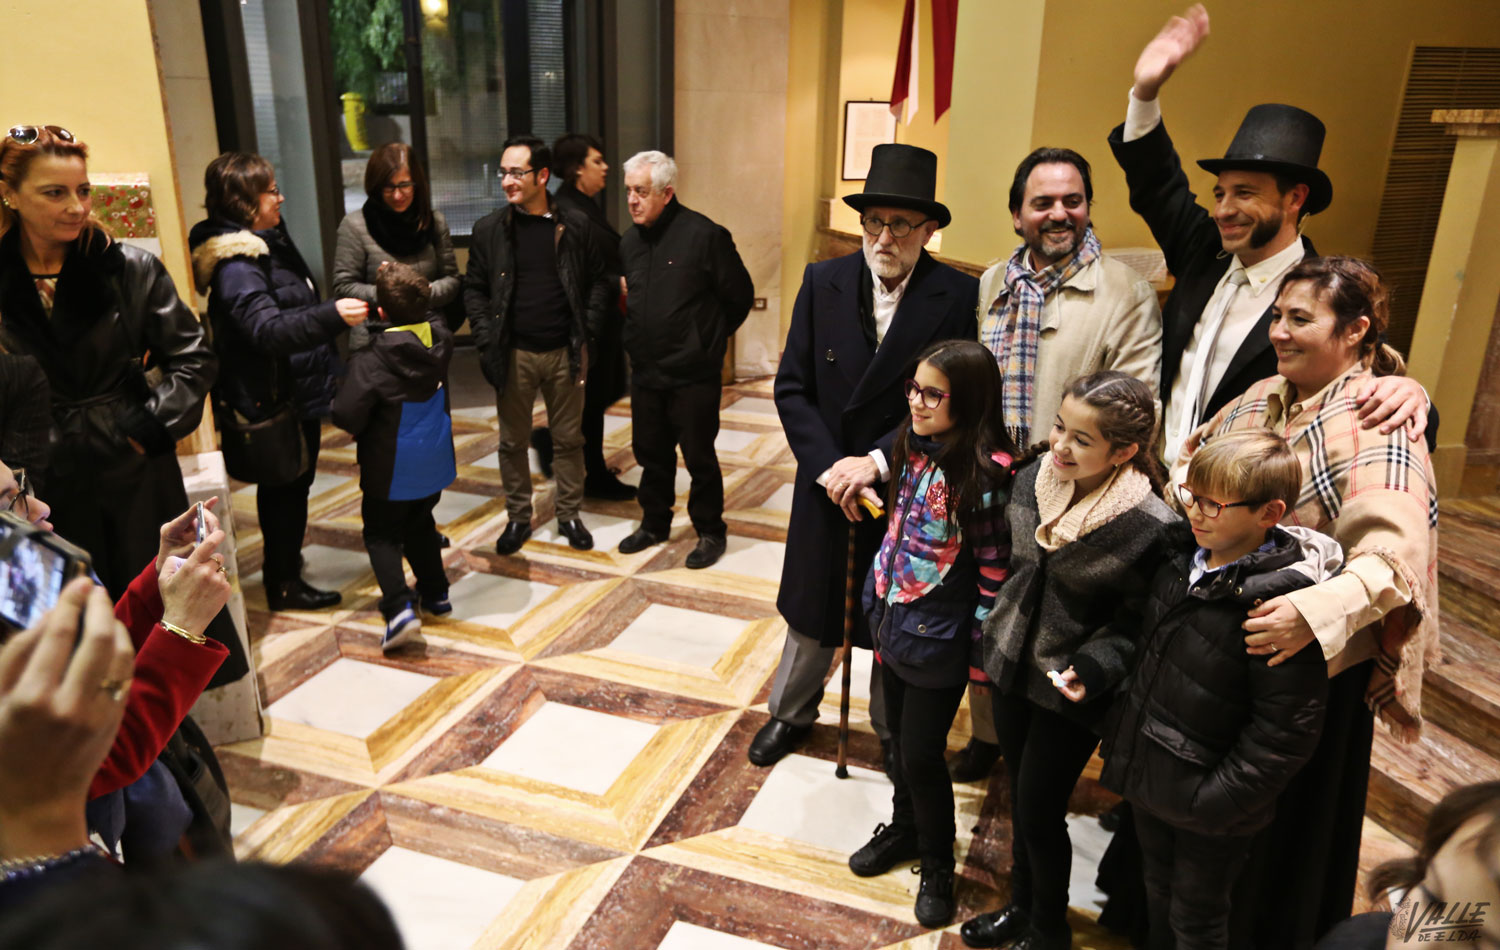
(115, 512)
(919, 719)
(1044, 755)
(394, 529)
(605, 386)
(283, 515)
(1189, 879)
(662, 420)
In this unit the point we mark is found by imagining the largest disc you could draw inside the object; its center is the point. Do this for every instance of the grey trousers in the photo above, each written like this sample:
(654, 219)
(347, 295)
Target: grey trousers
(797, 688)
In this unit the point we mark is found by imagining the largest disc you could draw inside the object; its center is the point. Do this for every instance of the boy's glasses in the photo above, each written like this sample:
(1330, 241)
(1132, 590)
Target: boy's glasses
(28, 134)
(931, 398)
(1209, 507)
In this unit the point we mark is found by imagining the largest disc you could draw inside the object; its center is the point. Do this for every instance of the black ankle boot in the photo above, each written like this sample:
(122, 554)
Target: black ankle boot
(935, 905)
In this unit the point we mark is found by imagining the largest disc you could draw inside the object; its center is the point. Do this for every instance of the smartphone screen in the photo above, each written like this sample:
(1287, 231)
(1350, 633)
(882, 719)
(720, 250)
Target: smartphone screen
(31, 579)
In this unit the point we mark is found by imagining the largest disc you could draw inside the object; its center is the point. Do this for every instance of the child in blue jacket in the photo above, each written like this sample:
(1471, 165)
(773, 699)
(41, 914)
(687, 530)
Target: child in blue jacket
(945, 554)
(394, 401)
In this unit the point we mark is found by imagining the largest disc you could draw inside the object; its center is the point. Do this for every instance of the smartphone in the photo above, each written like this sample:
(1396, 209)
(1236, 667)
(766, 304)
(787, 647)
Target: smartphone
(35, 565)
(202, 523)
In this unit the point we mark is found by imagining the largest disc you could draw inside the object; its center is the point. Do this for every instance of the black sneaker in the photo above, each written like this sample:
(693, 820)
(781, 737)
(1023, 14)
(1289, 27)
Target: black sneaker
(889, 847)
(935, 905)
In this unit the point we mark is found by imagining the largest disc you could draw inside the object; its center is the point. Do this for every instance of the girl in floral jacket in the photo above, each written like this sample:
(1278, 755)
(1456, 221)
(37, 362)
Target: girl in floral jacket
(944, 556)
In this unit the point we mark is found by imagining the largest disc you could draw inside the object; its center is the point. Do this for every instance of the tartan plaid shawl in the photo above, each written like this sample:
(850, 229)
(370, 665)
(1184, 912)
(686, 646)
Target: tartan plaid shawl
(1375, 494)
(1012, 328)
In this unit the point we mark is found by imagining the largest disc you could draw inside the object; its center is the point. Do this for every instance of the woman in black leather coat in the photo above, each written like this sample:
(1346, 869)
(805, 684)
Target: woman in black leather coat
(274, 335)
(126, 360)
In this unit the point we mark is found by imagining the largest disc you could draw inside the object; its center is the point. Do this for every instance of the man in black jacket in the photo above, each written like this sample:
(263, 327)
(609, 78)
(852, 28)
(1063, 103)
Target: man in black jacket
(1229, 263)
(536, 283)
(687, 291)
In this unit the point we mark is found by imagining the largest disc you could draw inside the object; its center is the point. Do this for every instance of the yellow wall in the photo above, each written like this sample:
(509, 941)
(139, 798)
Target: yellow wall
(1345, 63)
(90, 66)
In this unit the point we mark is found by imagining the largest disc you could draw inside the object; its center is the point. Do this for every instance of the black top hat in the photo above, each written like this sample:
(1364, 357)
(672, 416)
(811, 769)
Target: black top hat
(901, 176)
(1280, 139)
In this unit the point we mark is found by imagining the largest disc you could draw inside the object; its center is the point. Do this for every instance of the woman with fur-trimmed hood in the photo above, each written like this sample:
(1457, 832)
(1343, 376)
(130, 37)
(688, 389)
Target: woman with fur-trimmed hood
(274, 336)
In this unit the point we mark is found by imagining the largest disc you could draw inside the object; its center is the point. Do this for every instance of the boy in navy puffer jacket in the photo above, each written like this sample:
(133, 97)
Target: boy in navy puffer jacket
(1204, 734)
(394, 401)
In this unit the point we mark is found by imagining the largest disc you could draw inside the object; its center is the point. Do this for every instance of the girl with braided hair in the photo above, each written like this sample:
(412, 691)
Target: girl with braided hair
(1087, 526)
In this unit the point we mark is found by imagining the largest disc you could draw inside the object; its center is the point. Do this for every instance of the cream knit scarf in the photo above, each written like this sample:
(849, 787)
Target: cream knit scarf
(1060, 522)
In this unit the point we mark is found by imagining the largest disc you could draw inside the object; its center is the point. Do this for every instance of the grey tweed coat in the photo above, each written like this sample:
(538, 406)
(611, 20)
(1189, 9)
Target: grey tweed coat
(1078, 606)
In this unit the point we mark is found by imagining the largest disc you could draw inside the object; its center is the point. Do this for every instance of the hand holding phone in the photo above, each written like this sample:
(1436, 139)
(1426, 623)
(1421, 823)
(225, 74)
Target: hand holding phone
(35, 564)
(186, 531)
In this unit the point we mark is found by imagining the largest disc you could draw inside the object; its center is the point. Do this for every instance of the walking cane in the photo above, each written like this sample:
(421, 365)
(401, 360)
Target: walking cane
(851, 603)
(842, 768)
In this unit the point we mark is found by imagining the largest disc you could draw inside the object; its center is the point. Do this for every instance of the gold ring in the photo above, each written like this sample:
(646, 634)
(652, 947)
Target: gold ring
(223, 570)
(115, 688)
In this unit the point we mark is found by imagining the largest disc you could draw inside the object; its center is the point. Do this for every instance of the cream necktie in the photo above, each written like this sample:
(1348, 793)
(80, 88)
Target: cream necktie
(1198, 382)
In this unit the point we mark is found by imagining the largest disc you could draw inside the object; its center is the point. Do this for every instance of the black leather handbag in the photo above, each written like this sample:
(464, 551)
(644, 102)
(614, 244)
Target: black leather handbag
(269, 452)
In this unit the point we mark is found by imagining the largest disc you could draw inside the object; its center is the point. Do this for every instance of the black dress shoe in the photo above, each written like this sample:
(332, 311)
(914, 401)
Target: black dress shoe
(974, 761)
(774, 740)
(888, 847)
(298, 594)
(541, 440)
(935, 905)
(639, 540)
(511, 539)
(578, 536)
(995, 928)
(607, 488)
(710, 548)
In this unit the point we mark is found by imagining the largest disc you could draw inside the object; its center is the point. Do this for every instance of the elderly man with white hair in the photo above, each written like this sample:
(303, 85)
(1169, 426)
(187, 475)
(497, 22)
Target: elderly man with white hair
(686, 291)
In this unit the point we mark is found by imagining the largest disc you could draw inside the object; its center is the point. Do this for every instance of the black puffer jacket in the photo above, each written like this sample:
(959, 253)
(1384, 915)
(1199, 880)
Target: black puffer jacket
(490, 286)
(273, 333)
(687, 291)
(124, 356)
(1204, 735)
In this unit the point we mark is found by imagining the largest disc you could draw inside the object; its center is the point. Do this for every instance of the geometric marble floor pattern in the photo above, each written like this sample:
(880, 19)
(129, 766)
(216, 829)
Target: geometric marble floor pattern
(562, 762)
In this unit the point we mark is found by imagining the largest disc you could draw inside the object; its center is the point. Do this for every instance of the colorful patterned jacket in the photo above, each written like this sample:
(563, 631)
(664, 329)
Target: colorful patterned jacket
(932, 580)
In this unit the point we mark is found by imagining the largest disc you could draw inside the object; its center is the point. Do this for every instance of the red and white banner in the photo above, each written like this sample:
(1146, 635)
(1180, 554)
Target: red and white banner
(904, 85)
(908, 66)
(944, 34)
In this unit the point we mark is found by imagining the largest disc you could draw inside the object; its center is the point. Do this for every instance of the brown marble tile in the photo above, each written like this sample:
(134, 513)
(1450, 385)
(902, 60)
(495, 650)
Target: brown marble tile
(480, 732)
(651, 895)
(722, 789)
(259, 785)
(513, 850)
(354, 842)
(620, 699)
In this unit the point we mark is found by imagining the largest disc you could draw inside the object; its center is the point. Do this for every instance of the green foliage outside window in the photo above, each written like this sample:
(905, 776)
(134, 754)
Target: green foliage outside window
(367, 38)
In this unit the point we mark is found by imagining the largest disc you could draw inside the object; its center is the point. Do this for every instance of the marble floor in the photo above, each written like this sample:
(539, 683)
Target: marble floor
(562, 762)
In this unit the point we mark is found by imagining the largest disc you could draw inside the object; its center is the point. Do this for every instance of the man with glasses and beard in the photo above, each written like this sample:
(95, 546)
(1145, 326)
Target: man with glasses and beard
(1056, 309)
(858, 322)
(1228, 263)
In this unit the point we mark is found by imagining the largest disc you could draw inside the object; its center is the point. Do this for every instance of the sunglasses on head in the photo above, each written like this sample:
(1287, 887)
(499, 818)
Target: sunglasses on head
(28, 134)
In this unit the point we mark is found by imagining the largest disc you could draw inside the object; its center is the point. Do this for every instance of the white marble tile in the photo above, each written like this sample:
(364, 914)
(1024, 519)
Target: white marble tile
(608, 530)
(780, 499)
(327, 481)
(752, 558)
(495, 601)
(333, 568)
(613, 423)
(802, 799)
(598, 747)
(685, 936)
(679, 636)
(1089, 841)
(492, 462)
(242, 817)
(350, 697)
(756, 404)
(438, 904)
(477, 412)
(455, 504)
(735, 440)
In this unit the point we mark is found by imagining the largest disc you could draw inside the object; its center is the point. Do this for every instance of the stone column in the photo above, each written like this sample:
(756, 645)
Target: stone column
(1463, 286)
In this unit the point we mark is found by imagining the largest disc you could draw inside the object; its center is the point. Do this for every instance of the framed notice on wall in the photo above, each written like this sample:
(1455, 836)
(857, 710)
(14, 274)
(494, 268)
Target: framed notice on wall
(866, 125)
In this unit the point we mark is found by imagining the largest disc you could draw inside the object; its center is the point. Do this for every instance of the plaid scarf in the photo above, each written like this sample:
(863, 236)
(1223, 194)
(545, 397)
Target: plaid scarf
(1014, 340)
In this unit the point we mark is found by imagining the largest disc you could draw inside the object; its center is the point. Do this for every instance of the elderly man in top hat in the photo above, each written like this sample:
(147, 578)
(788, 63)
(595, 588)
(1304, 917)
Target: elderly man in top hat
(1229, 263)
(858, 322)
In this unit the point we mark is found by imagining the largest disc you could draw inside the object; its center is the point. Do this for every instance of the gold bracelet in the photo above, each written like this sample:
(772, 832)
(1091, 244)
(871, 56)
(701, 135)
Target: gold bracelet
(196, 638)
